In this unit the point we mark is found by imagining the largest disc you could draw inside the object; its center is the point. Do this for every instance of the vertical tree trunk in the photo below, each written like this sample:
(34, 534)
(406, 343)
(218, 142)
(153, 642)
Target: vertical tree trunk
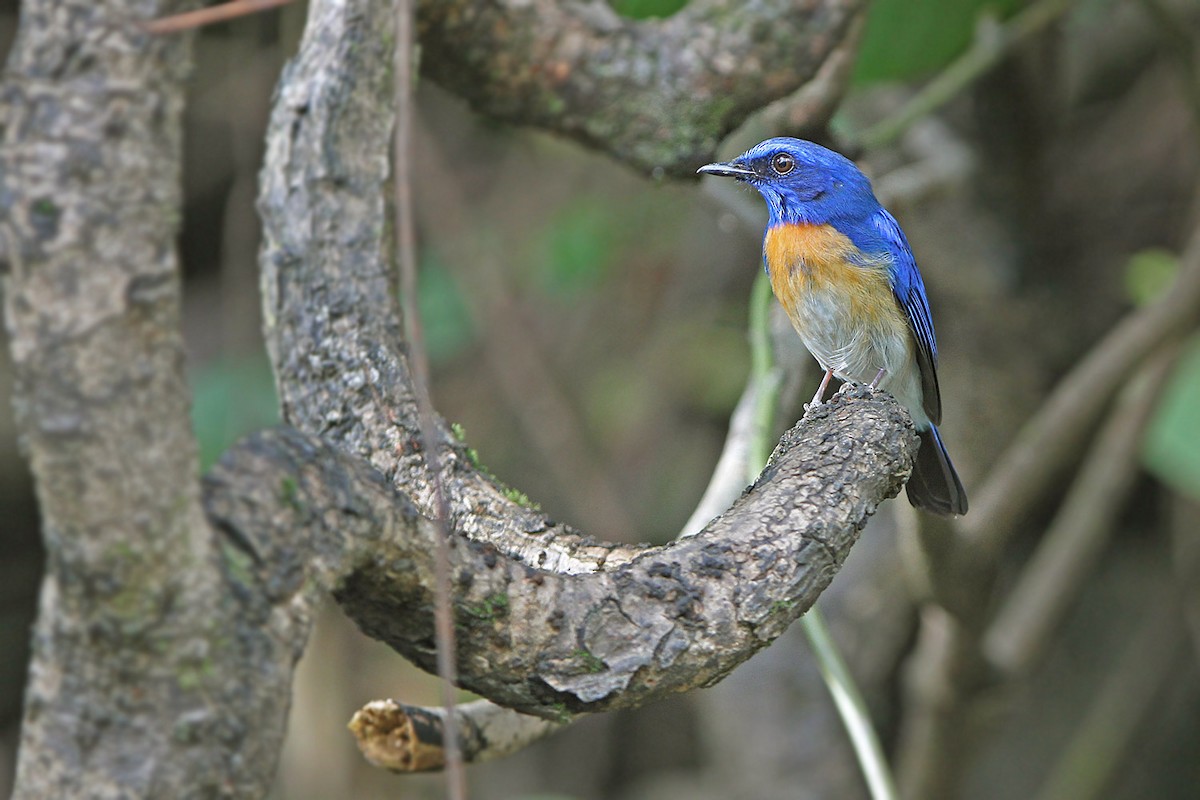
(138, 654)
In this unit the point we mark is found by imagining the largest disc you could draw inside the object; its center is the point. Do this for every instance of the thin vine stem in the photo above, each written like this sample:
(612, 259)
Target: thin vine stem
(842, 687)
(404, 76)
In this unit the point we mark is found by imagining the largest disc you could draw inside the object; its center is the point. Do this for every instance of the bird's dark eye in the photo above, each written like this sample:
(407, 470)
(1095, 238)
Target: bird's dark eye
(783, 163)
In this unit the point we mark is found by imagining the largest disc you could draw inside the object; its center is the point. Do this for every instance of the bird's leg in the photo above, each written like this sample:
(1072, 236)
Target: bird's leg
(878, 378)
(820, 395)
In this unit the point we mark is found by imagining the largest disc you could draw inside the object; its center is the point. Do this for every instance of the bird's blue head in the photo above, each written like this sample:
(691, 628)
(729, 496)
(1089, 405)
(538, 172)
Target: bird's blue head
(803, 182)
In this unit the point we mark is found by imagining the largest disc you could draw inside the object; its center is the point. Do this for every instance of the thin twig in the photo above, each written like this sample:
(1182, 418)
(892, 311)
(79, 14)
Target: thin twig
(851, 706)
(404, 77)
(1075, 539)
(209, 16)
(1053, 438)
(1109, 731)
(765, 374)
(729, 476)
(993, 43)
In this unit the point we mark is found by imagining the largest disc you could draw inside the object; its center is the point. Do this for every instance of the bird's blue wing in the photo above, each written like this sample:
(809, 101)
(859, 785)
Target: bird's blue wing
(910, 294)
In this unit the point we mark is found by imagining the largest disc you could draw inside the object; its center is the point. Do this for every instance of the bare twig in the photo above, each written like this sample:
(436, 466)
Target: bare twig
(404, 76)
(1054, 436)
(1109, 731)
(1084, 524)
(729, 476)
(209, 16)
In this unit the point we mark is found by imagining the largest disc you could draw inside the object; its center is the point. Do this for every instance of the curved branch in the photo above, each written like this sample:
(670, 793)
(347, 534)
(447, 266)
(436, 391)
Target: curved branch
(549, 622)
(659, 94)
(331, 322)
(545, 641)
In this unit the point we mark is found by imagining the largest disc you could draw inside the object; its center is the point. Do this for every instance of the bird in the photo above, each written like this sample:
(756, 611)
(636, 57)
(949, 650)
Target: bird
(844, 272)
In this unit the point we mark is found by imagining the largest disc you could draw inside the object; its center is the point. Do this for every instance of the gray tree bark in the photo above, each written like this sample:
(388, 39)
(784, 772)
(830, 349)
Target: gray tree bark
(139, 681)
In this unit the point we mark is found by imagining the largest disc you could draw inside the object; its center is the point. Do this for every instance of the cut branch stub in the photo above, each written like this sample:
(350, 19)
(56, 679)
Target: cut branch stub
(670, 619)
(406, 738)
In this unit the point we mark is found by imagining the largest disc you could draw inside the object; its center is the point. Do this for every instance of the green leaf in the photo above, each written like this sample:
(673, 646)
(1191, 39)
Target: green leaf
(1172, 447)
(641, 9)
(908, 38)
(1149, 273)
(230, 398)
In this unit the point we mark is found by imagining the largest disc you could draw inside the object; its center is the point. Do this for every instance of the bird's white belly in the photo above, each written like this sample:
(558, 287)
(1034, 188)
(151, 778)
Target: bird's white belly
(856, 346)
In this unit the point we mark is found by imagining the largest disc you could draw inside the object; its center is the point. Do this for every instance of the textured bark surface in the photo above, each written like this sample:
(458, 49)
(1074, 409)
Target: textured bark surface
(331, 321)
(670, 619)
(659, 94)
(149, 678)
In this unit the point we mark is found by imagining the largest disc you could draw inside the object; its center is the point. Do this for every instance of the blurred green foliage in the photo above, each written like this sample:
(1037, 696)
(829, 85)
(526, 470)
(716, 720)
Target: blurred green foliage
(641, 9)
(905, 39)
(230, 398)
(578, 248)
(1149, 273)
(1172, 447)
(445, 319)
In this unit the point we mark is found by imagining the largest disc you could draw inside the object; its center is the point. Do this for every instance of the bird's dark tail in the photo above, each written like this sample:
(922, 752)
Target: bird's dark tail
(934, 485)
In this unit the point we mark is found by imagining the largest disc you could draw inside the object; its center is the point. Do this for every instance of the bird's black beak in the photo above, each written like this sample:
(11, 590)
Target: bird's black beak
(728, 169)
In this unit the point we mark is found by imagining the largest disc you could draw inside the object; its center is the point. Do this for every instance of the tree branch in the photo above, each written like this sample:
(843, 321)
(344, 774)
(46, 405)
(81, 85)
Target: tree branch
(543, 640)
(659, 94)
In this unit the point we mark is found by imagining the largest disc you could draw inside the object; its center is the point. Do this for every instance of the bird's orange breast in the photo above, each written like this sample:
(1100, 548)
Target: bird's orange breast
(806, 262)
